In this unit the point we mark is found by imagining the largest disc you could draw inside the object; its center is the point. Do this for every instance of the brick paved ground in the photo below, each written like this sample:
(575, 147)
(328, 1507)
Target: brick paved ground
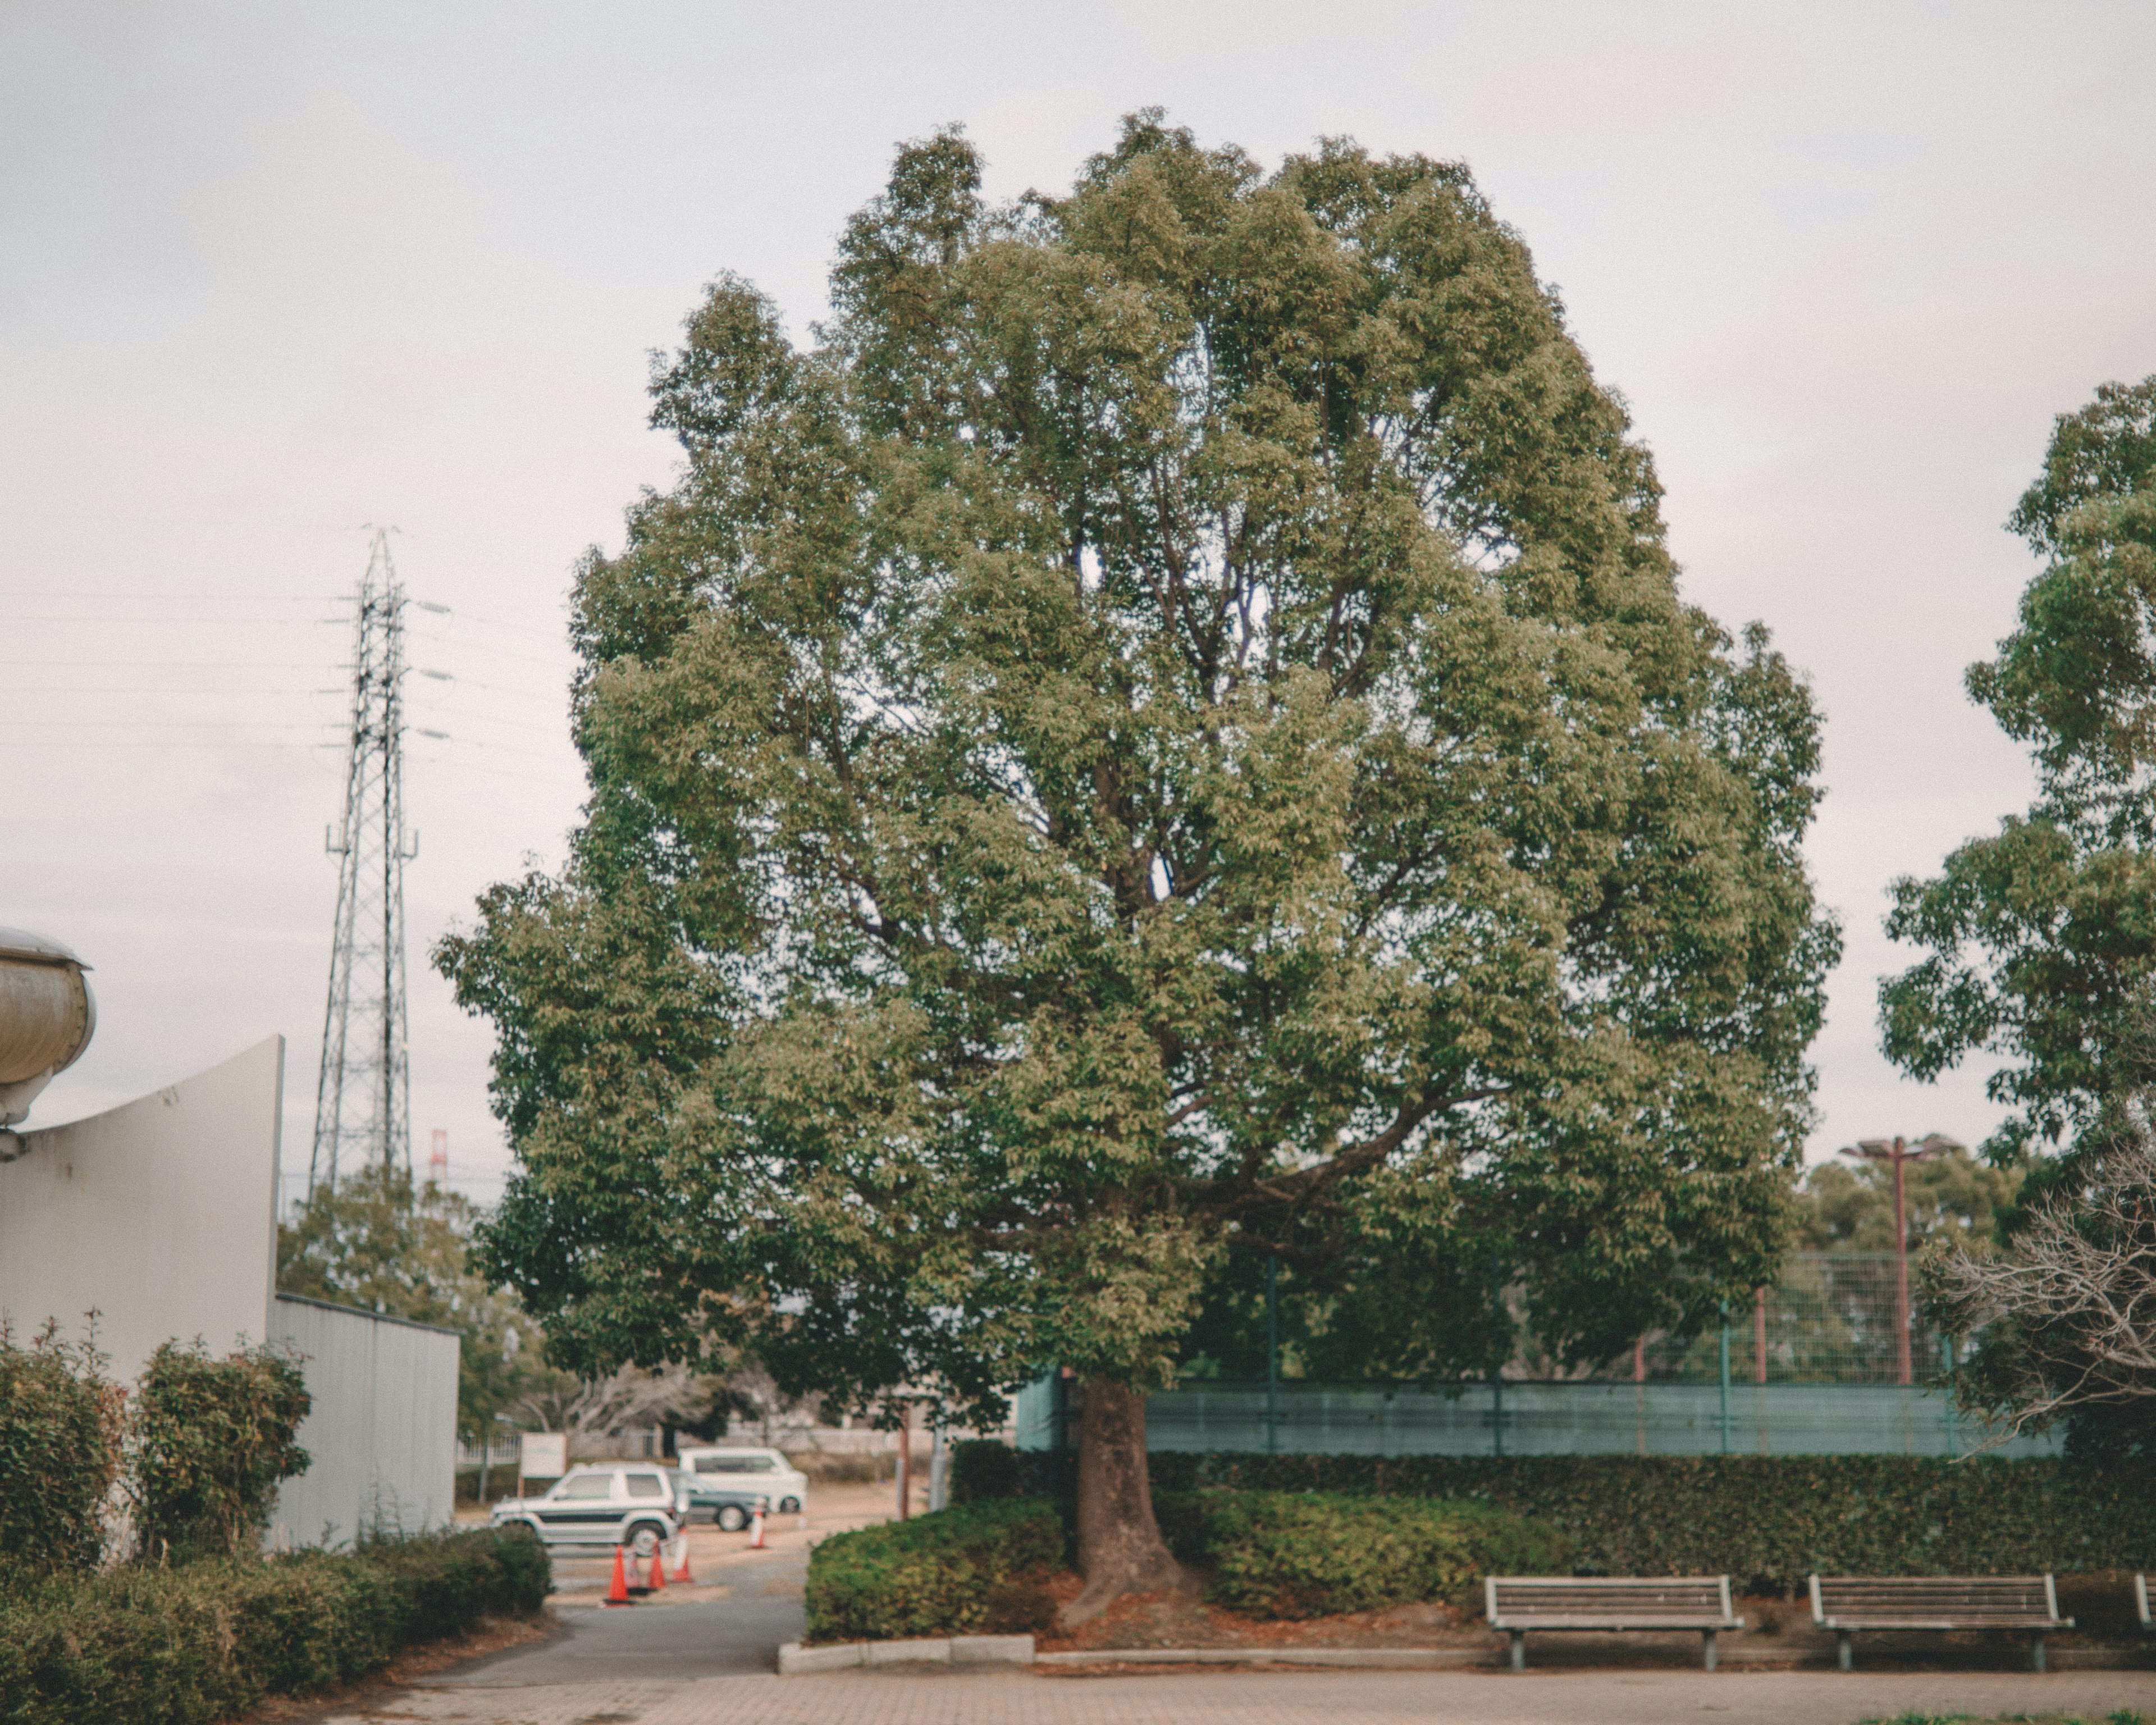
(946, 1698)
(706, 1661)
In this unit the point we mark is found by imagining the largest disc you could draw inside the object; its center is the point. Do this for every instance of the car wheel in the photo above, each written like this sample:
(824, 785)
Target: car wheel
(789, 1506)
(645, 1538)
(731, 1518)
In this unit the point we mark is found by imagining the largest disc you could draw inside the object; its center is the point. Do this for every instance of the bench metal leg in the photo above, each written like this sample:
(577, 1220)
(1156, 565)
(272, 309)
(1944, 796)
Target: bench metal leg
(1519, 1650)
(1845, 1654)
(2036, 1653)
(1709, 1635)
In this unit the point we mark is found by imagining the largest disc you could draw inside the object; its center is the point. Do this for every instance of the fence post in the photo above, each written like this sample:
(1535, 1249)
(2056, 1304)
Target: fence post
(1947, 1390)
(1272, 1356)
(1725, 1377)
(1502, 1335)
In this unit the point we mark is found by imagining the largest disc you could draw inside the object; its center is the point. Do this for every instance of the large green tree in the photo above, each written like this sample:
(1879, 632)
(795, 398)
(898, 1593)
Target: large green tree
(1169, 729)
(2042, 936)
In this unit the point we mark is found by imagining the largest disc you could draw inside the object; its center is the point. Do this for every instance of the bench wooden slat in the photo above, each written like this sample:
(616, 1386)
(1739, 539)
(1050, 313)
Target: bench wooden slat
(1699, 1603)
(1845, 1603)
(1935, 1601)
(1613, 1602)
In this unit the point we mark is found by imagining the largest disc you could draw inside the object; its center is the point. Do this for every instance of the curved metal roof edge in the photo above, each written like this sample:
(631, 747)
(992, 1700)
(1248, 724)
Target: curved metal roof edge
(39, 948)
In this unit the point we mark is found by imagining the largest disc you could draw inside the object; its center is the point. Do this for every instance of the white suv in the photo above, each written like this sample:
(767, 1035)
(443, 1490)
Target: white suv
(620, 1504)
(734, 1471)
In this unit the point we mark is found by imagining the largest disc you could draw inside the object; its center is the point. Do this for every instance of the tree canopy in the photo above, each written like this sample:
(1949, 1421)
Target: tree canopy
(1168, 730)
(2042, 936)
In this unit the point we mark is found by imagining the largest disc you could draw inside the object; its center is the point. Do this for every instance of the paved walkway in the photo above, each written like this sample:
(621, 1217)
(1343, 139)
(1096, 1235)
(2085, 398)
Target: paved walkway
(694, 1658)
(944, 1698)
(709, 1662)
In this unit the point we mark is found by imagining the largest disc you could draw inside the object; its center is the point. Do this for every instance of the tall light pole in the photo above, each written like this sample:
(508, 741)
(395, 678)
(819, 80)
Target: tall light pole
(1900, 1152)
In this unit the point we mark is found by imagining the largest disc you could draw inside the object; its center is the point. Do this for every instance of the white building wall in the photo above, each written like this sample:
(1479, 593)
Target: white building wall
(159, 1215)
(382, 1430)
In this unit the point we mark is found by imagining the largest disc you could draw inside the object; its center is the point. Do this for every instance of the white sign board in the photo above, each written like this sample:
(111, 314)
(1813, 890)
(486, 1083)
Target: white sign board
(545, 1455)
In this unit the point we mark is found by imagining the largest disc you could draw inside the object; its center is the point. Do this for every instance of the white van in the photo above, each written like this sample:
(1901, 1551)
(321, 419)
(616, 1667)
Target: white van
(733, 1471)
(611, 1504)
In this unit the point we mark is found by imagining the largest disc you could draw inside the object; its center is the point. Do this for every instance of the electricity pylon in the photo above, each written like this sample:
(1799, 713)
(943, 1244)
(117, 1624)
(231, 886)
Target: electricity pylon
(363, 1101)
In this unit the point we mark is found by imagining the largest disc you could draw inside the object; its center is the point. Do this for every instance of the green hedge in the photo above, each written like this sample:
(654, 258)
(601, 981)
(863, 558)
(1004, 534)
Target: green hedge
(1294, 1554)
(959, 1572)
(209, 1640)
(1767, 1521)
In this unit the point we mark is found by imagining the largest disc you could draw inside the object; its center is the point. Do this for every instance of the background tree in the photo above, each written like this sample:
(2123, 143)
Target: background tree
(1953, 1198)
(1170, 729)
(375, 1240)
(628, 1398)
(2042, 936)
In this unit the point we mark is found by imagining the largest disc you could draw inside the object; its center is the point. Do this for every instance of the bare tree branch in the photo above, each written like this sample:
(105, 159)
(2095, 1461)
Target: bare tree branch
(2077, 1292)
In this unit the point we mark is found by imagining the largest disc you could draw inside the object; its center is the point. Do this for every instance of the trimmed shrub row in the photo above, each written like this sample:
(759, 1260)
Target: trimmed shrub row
(979, 1569)
(1296, 1554)
(1766, 1521)
(960, 1571)
(186, 1646)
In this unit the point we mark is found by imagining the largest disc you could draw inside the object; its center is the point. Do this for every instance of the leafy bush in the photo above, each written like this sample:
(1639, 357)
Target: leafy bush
(59, 1449)
(1313, 1554)
(957, 1572)
(183, 1646)
(210, 1441)
(1766, 1521)
(983, 1470)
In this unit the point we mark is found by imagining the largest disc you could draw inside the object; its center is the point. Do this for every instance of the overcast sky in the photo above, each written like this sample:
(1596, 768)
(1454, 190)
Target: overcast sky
(270, 273)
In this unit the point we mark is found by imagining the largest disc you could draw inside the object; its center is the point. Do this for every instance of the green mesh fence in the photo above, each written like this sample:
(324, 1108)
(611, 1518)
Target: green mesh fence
(1811, 1367)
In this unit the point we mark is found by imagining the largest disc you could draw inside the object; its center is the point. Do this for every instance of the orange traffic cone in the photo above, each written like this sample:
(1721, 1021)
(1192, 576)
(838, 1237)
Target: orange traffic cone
(756, 1529)
(618, 1591)
(681, 1576)
(658, 1576)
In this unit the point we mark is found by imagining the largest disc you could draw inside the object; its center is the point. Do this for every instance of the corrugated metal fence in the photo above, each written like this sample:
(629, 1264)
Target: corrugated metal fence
(383, 1432)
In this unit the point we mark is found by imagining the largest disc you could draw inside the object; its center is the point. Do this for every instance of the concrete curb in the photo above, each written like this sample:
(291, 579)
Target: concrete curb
(1348, 1658)
(796, 1661)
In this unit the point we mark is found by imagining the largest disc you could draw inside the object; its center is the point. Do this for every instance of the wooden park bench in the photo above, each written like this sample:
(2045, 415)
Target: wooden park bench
(1845, 1603)
(1517, 1603)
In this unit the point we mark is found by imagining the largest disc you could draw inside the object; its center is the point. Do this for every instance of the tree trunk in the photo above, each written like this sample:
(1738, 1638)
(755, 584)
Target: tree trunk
(1120, 1549)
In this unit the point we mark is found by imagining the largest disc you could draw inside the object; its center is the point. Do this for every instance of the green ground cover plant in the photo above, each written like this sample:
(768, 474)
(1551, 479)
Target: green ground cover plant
(188, 1645)
(1767, 1521)
(2122, 1716)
